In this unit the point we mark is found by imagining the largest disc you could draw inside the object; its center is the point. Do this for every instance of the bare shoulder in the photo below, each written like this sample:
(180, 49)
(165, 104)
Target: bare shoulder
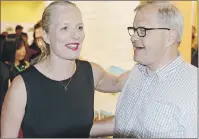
(13, 108)
(17, 90)
(97, 69)
(18, 83)
(96, 66)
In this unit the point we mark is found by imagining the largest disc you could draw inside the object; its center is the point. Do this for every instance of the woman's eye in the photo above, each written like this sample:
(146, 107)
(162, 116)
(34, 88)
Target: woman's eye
(81, 28)
(65, 28)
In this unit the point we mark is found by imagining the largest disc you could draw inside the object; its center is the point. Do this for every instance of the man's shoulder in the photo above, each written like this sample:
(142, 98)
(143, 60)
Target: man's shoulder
(186, 79)
(188, 70)
(136, 67)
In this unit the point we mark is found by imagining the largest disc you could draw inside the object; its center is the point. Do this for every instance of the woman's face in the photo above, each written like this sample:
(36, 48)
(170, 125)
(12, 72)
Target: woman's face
(66, 32)
(20, 53)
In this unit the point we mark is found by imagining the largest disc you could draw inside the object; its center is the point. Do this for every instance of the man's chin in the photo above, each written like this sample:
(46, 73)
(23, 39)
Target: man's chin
(136, 59)
(140, 61)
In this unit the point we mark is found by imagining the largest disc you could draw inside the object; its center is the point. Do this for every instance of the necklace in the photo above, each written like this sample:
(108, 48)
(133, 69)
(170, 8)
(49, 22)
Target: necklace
(20, 69)
(65, 86)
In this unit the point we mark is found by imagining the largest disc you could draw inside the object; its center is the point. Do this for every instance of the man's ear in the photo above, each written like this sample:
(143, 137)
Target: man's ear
(45, 36)
(172, 37)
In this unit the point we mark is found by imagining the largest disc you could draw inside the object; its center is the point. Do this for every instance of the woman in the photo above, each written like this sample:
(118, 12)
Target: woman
(55, 97)
(12, 62)
(14, 53)
(13, 58)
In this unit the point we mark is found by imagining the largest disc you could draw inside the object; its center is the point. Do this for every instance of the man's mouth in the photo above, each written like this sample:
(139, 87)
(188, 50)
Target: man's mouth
(72, 46)
(138, 48)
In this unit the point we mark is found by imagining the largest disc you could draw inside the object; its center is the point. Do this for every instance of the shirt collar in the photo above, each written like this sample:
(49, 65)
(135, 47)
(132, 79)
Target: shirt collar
(165, 70)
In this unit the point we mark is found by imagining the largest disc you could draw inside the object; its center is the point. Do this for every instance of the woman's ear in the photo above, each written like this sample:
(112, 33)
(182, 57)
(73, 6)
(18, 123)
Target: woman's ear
(45, 37)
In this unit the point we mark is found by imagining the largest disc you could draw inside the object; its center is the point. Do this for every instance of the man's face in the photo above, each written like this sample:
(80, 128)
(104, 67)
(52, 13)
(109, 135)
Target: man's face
(149, 50)
(5, 34)
(19, 31)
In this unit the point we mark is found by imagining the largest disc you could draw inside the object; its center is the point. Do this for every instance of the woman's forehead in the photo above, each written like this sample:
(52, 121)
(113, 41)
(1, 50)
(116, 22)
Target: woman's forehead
(66, 13)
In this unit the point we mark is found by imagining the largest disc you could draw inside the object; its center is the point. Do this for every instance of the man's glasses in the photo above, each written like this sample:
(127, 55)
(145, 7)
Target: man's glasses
(141, 31)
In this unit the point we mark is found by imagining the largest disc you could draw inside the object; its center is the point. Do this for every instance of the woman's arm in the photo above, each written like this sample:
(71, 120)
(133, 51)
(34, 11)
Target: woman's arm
(106, 82)
(13, 109)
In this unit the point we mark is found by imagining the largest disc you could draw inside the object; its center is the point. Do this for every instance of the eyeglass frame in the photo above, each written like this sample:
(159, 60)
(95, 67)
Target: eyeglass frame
(135, 30)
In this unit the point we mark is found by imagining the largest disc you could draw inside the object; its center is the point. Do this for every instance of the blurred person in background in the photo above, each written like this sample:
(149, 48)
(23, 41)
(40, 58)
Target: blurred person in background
(38, 44)
(4, 75)
(12, 63)
(18, 30)
(25, 38)
(14, 56)
(29, 52)
(5, 33)
(17, 34)
(194, 48)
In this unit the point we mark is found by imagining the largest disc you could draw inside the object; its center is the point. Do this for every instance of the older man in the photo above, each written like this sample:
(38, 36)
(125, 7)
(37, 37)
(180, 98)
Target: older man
(160, 97)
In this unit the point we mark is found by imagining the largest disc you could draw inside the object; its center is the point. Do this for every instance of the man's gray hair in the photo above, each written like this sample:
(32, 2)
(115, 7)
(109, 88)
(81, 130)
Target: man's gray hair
(168, 14)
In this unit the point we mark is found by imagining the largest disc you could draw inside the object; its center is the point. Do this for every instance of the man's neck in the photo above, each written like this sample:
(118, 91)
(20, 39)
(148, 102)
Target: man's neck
(164, 61)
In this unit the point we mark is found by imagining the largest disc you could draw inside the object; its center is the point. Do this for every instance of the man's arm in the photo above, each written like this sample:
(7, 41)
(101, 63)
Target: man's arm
(103, 127)
(106, 82)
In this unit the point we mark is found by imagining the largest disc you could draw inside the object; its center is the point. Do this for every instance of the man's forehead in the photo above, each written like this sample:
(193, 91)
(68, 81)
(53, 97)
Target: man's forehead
(146, 15)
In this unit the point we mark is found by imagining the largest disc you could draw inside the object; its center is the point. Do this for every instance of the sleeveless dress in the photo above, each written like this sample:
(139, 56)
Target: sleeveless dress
(52, 112)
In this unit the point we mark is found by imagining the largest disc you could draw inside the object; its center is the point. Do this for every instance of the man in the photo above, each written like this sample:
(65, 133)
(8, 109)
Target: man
(17, 35)
(5, 33)
(18, 30)
(38, 44)
(159, 99)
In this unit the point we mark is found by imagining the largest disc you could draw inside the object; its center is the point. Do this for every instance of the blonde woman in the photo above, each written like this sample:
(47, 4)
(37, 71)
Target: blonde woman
(55, 97)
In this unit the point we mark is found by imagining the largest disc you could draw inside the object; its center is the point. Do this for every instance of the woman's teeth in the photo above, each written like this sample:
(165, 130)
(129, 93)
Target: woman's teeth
(72, 46)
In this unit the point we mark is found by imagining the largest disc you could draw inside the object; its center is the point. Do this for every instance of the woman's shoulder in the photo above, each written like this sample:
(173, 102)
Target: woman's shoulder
(17, 90)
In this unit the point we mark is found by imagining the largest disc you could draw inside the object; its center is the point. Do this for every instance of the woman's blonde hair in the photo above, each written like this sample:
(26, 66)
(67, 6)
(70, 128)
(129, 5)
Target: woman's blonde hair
(46, 17)
(46, 22)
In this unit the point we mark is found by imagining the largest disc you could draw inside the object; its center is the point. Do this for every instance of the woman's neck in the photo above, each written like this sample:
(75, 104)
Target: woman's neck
(60, 68)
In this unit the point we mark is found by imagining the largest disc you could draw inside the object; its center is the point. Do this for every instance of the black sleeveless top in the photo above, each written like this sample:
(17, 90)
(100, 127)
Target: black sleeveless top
(52, 112)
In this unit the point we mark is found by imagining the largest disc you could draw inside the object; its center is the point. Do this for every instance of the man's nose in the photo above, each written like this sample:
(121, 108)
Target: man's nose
(134, 37)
